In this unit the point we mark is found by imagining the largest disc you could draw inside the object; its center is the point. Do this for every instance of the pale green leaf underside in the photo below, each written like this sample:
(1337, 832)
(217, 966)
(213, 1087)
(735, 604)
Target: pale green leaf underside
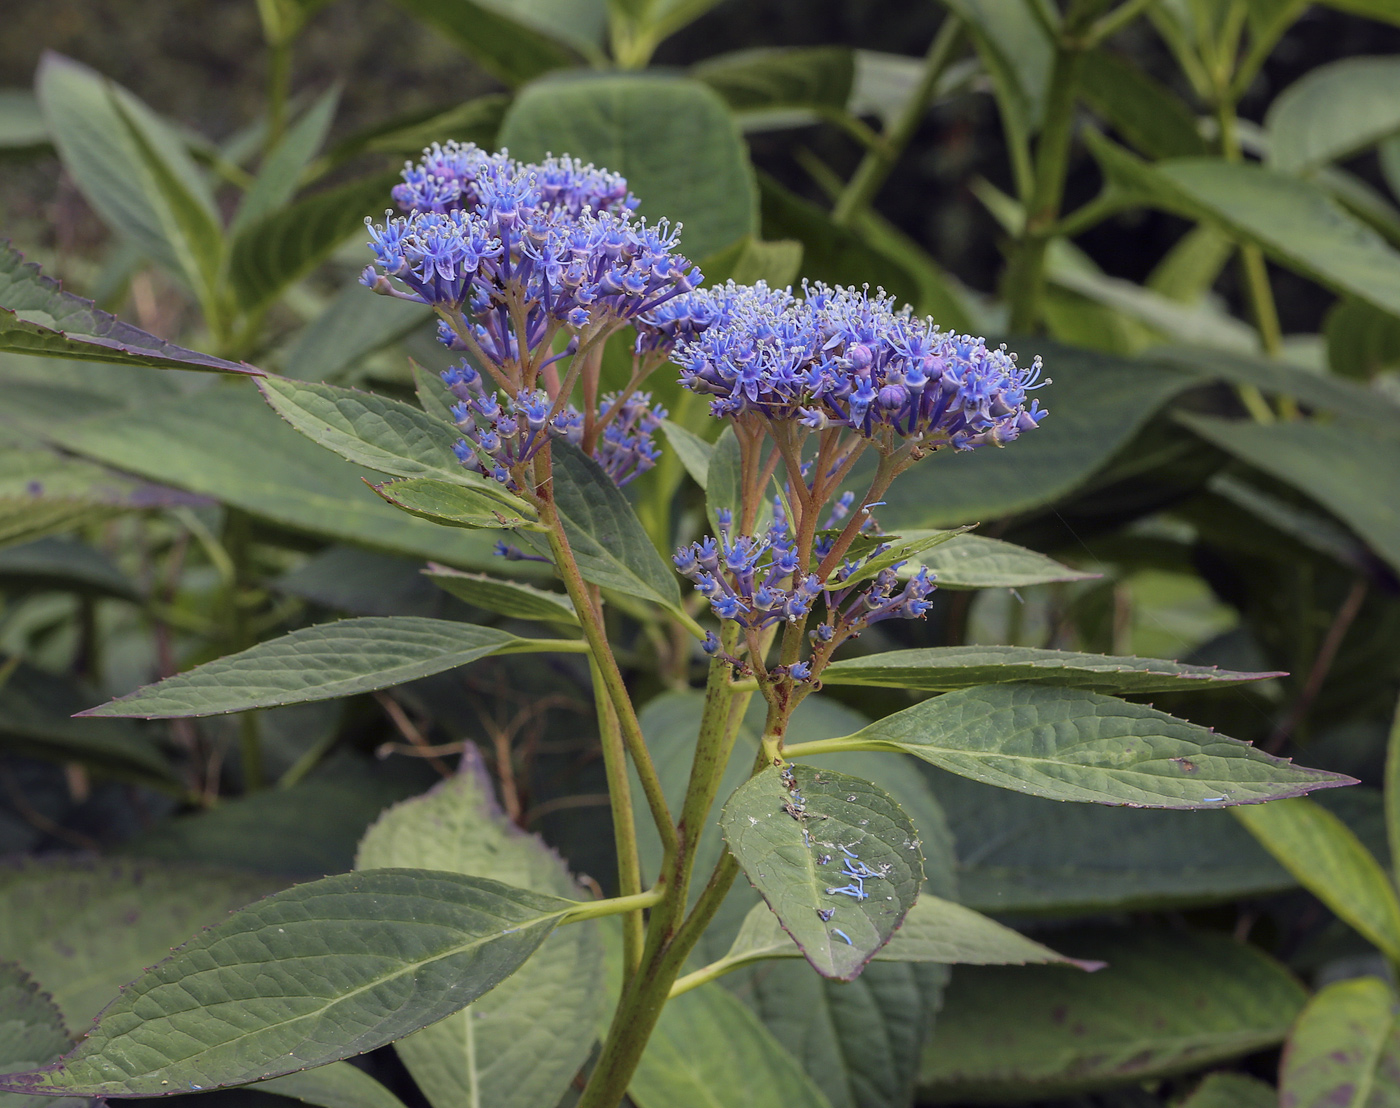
(977, 562)
(794, 860)
(450, 504)
(945, 668)
(324, 662)
(509, 598)
(318, 973)
(338, 1085)
(1069, 744)
(1345, 1049)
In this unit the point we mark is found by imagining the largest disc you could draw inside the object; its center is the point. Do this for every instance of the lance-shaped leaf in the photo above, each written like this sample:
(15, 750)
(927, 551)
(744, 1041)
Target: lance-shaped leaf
(944, 668)
(521, 1044)
(902, 547)
(977, 562)
(1344, 1051)
(38, 317)
(1327, 858)
(324, 662)
(693, 451)
(1069, 744)
(509, 598)
(387, 435)
(31, 1029)
(608, 541)
(318, 973)
(800, 847)
(935, 930)
(449, 503)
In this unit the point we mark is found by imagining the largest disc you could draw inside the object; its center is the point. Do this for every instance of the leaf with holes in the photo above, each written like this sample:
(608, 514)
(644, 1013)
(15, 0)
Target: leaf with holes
(1070, 744)
(323, 662)
(318, 973)
(834, 856)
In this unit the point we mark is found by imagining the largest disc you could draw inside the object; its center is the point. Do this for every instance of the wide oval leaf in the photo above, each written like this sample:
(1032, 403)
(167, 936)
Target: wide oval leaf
(944, 668)
(1069, 744)
(834, 856)
(1344, 1051)
(321, 972)
(321, 663)
(1332, 111)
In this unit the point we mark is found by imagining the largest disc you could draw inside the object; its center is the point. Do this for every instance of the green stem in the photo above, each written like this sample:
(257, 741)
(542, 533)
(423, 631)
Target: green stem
(279, 87)
(237, 541)
(879, 161)
(1025, 275)
(618, 905)
(629, 868)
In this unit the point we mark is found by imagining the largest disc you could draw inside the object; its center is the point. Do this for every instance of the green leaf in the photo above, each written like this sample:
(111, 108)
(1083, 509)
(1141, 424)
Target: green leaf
(1190, 268)
(1017, 54)
(513, 50)
(794, 859)
(694, 452)
(38, 317)
(129, 165)
(781, 77)
(329, 660)
(608, 541)
(449, 503)
(977, 562)
(709, 1049)
(1141, 109)
(383, 434)
(749, 260)
(1332, 111)
(87, 927)
(36, 720)
(338, 1085)
(1330, 861)
(1029, 856)
(837, 255)
(286, 245)
(1343, 469)
(1096, 403)
(31, 1029)
(1070, 744)
(356, 324)
(1361, 341)
(904, 547)
(475, 120)
(1344, 1051)
(944, 668)
(225, 442)
(1167, 1003)
(1232, 1090)
(935, 930)
(521, 1044)
(22, 127)
(312, 975)
(508, 598)
(65, 564)
(724, 478)
(281, 170)
(671, 137)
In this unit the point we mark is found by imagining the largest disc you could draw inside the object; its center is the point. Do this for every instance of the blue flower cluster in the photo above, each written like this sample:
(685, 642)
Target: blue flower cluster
(522, 250)
(840, 357)
(853, 607)
(503, 432)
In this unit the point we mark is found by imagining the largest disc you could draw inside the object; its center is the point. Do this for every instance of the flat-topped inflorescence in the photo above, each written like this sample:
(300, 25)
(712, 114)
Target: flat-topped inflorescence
(843, 358)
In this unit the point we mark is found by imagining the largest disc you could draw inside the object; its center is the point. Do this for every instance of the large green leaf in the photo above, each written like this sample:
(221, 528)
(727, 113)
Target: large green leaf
(521, 1044)
(1096, 403)
(514, 50)
(1332, 111)
(672, 138)
(65, 564)
(285, 245)
(1344, 1051)
(131, 167)
(1329, 860)
(31, 1029)
(225, 442)
(1025, 855)
(797, 837)
(321, 972)
(608, 541)
(38, 317)
(85, 928)
(329, 660)
(338, 1085)
(509, 598)
(709, 1049)
(22, 126)
(1167, 1003)
(36, 719)
(1069, 744)
(783, 77)
(1145, 112)
(405, 135)
(977, 562)
(356, 324)
(1232, 1090)
(1016, 51)
(943, 668)
(1344, 469)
